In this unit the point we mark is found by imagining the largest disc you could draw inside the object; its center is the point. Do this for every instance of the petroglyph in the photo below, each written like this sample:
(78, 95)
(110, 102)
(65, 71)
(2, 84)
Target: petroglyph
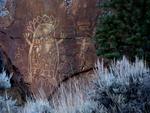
(43, 50)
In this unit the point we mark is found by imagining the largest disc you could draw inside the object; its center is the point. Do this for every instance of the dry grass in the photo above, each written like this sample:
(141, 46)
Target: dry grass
(124, 87)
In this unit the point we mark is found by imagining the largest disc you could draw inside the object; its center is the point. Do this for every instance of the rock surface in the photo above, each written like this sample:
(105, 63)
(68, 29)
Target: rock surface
(18, 90)
(49, 40)
(16, 80)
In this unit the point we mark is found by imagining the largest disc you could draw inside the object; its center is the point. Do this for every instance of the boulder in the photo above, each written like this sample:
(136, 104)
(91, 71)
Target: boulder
(49, 40)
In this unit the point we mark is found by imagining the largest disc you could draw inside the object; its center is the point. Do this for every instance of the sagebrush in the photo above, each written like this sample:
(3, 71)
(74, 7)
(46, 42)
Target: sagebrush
(123, 87)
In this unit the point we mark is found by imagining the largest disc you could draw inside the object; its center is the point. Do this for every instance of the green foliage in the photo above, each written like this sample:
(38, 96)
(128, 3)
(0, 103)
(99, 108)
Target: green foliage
(124, 29)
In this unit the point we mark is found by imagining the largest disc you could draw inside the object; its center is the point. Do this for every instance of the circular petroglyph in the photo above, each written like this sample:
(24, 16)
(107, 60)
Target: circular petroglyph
(7, 12)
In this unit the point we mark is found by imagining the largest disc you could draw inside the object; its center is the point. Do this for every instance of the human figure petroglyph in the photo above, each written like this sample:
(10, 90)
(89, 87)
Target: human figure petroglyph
(63, 42)
(39, 38)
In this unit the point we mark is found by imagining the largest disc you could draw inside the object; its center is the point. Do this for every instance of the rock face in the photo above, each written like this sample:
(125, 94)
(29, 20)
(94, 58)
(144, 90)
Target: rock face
(11, 80)
(48, 40)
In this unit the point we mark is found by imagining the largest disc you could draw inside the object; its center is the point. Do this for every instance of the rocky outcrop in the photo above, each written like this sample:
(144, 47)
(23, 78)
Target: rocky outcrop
(49, 40)
(11, 80)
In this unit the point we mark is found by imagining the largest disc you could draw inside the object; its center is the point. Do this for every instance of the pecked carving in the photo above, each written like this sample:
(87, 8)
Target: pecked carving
(42, 55)
(48, 49)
